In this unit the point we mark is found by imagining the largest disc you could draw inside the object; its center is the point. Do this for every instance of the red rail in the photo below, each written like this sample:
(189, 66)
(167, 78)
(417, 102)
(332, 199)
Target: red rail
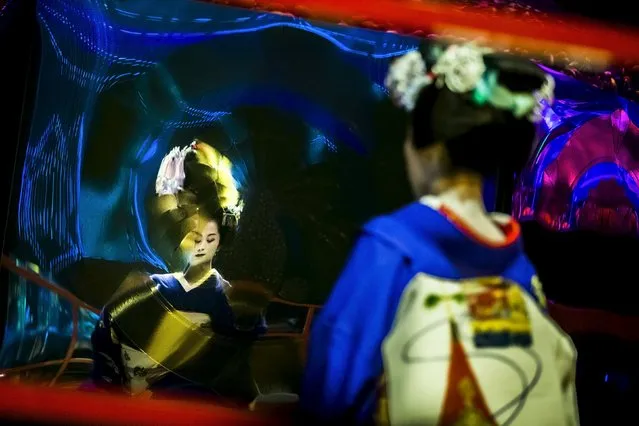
(27, 274)
(75, 302)
(574, 321)
(14, 370)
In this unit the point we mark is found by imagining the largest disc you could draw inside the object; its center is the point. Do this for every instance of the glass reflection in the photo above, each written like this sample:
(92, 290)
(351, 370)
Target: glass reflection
(86, 324)
(126, 81)
(179, 331)
(39, 325)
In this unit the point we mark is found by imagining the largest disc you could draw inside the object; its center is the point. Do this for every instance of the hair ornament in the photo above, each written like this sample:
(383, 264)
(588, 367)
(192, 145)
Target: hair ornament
(171, 175)
(232, 215)
(461, 69)
(520, 104)
(406, 78)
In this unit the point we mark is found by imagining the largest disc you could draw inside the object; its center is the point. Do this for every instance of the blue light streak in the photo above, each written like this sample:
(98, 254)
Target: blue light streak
(94, 52)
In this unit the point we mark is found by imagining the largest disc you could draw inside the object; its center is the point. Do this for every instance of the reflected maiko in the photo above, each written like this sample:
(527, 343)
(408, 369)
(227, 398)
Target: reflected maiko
(158, 335)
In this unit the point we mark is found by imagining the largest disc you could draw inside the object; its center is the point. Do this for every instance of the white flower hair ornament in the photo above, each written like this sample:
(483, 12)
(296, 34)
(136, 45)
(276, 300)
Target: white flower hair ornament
(461, 68)
(406, 78)
(171, 174)
(232, 215)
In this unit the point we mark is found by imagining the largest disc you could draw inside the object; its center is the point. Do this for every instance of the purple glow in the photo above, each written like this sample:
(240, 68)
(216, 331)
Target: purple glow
(586, 173)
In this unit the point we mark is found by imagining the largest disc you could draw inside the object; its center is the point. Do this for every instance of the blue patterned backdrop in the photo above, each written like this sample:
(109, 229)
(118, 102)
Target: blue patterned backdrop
(298, 106)
(92, 48)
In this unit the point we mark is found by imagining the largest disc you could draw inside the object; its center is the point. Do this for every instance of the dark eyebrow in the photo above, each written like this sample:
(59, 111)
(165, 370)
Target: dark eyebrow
(212, 234)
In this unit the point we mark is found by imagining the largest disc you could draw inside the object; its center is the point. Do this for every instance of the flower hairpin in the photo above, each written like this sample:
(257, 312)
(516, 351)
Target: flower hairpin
(461, 69)
(171, 175)
(232, 214)
(406, 78)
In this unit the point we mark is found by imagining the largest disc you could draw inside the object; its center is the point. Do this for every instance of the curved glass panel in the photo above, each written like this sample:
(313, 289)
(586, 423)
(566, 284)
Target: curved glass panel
(299, 109)
(39, 325)
(584, 173)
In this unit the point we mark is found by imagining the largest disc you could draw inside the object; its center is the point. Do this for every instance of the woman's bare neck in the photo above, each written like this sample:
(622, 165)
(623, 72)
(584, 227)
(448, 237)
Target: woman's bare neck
(462, 186)
(462, 194)
(196, 275)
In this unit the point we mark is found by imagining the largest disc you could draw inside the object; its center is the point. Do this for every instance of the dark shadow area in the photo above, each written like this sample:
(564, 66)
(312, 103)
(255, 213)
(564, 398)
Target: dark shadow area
(616, 12)
(20, 52)
(585, 269)
(607, 380)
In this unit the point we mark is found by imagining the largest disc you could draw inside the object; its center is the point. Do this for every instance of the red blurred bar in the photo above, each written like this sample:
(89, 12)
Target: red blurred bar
(577, 37)
(55, 406)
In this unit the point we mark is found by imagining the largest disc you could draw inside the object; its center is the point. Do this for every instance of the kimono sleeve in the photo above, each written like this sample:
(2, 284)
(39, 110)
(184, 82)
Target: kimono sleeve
(344, 357)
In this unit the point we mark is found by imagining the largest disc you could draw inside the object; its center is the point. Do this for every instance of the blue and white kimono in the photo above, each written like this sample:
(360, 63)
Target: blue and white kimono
(416, 321)
(119, 362)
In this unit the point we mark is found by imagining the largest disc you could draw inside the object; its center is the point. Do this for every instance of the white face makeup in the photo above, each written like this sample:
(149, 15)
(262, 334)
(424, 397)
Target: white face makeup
(206, 239)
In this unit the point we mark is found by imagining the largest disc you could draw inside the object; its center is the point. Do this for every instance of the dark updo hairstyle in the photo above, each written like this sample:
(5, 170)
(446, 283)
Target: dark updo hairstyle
(204, 192)
(479, 138)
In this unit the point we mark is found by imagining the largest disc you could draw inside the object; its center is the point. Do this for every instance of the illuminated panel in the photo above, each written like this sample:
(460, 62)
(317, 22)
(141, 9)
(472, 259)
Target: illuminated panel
(92, 48)
(89, 47)
(584, 173)
(38, 327)
(46, 327)
(47, 197)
